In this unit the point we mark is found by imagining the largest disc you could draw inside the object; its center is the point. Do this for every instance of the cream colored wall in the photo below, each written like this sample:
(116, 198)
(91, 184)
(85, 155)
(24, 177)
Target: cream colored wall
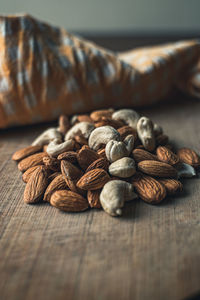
(112, 15)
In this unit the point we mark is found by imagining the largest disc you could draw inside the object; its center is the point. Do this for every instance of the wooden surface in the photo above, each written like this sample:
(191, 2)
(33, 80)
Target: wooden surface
(152, 252)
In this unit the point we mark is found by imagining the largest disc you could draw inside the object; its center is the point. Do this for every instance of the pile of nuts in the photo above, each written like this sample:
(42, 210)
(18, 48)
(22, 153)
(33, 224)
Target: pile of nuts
(103, 160)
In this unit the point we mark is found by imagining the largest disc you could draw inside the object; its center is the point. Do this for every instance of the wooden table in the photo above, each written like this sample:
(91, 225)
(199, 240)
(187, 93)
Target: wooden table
(151, 252)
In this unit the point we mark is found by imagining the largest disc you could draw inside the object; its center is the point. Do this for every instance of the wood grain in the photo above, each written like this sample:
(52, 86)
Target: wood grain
(152, 252)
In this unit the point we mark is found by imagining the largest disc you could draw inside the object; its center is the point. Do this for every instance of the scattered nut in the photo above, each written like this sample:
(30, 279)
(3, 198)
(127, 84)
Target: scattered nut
(102, 135)
(114, 194)
(47, 136)
(83, 129)
(146, 133)
(55, 147)
(115, 150)
(129, 116)
(124, 167)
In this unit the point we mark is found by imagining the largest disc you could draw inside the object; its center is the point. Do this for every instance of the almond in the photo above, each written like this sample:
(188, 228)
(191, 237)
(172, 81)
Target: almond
(68, 201)
(102, 152)
(53, 175)
(141, 154)
(172, 186)
(86, 156)
(124, 131)
(51, 163)
(109, 122)
(71, 156)
(70, 171)
(164, 154)
(98, 114)
(101, 163)
(64, 124)
(36, 186)
(58, 183)
(26, 175)
(189, 156)
(157, 168)
(149, 189)
(25, 152)
(31, 161)
(93, 198)
(93, 180)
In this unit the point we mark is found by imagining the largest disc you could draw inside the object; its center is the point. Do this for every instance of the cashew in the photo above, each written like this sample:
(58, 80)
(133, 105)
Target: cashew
(115, 150)
(124, 167)
(146, 133)
(55, 147)
(102, 135)
(114, 194)
(82, 128)
(157, 129)
(47, 136)
(186, 171)
(129, 116)
(129, 142)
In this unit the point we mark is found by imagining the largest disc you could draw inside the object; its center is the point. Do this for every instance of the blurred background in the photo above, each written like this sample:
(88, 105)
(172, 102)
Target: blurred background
(113, 16)
(145, 21)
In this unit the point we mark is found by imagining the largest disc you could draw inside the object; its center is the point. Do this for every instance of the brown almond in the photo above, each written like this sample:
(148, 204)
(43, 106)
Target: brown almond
(51, 163)
(101, 163)
(93, 198)
(36, 186)
(25, 152)
(53, 175)
(141, 154)
(102, 152)
(98, 114)
(109, 122)
(127, 130)
(58, 183)
(86, 156)
(172, 186)
(157, 168)
(149, 189)
(64, 124)
(31, 161)
(93, 180)
(26, 175)
(164, 154)
(68, 201)
(69, 171)
(70, 156)
(189, 157)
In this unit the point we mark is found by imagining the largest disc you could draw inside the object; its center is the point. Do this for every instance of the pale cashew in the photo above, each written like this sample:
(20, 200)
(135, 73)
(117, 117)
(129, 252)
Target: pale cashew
(55, 147)
(124, 167)
(102, 135)
(157, 129)
(146, 133)
(114, 194)
(115, 150)
(129, 116)
(47, 136)
(83, 129)
(186, 171)
(129, 142)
